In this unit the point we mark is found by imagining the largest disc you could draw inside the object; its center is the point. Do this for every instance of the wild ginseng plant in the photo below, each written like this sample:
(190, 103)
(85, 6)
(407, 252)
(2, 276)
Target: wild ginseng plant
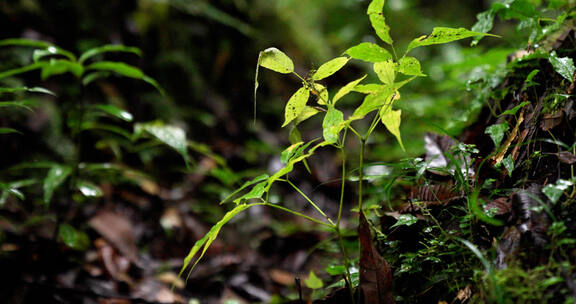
(377, 106)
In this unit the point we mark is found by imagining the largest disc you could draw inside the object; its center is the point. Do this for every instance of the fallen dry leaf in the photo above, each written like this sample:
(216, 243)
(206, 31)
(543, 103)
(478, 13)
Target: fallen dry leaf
(118, 231)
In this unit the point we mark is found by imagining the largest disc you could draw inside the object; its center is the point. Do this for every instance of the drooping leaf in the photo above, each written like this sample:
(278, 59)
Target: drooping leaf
(93, 76)
(68, 235)
(375, 274)
(115, 111)
(391, 119)
(172, 136)
(56, 176)
(443, 35)
(555, 191)
(25, 42)
(17, 104)
(92, 125)
(405, 220)
(409, 66)
(332, 125)
(369, 52)
(124, 70)
(275, 60)
(330, 68)
(347, 89)
(108, 49)
(514, 110)
(497, 132)
(378, 21)
(61, 66)
(313, 282)
(27, 89)
(200, 247)
(52, 51)
(295, 105)
(21, 70)
(386, 71)
(562, 65)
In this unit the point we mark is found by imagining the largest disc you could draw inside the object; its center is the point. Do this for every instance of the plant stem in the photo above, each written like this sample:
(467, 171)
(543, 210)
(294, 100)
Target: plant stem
(297, 214)
(361, 173)
(311, 202)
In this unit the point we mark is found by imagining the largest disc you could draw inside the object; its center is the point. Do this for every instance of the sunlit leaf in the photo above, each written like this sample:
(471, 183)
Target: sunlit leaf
(276, 60)
(313, 281)
(409, 66)
(172, 136)
(391, 119)
(330, 68)
(115, 111)
(295, 105)
(497, 132)
(443, 35)
(369, 88)
(562, 65)
(321, 92)
(347, 89)
(378, 21)
(332, 124)
(108, 49)
(56, 176)
(369, 52)
(405, 220)
(386, 71)
(374, 101)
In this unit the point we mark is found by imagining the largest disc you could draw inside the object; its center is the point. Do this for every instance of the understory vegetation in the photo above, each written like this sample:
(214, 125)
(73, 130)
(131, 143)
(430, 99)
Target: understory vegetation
(375, 154)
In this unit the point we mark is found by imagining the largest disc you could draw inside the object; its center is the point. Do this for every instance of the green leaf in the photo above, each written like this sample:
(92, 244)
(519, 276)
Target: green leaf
(52, 51)
(21, 70)
(313, 282)
(335, 269)
(514, 110)
(378, 21)
(332, 125)
(61, 66)
(256, 193)
(330, 68)
(117, 67)
(295, 105)
(369, 88)
(405, 220)
(555, 191)
(562, 65)
(27, 89)
(347, 89)
(276, 60)
(246, 185)
(409, 66)
(91, 125)
(108, 49)
(115, 111)
(17, 104)
(289, 152)
(386, 71)
(369, 52)
(306, 113)
(93, 76)
(200, 247)
(321, 93)
(443, 35)
(374, 101)
(529, 82)
(89, 189)
(508, 164)
(56, 176)
(172, 136)
(497, 132)
(8, 131)
(391, 119)
(25, 42)
(483, 25)
(68, 235)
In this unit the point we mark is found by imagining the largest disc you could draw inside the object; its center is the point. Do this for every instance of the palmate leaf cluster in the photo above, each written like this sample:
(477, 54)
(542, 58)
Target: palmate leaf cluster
(314, 98)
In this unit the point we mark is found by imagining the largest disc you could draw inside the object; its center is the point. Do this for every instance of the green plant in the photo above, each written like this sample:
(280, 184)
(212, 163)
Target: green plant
(393, 73)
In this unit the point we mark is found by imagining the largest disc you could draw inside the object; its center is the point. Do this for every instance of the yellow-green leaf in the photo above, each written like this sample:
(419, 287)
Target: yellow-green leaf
(347, 89)
(295, 105)
(443, 35)
(370, 52)
(391, 119)
(330, 68)
(374, 101)
(306, 113)
(378, 21)
(332, 124)
(385, 71)
(321, 93)
(276, 60)
(313, 281)
(409, 66)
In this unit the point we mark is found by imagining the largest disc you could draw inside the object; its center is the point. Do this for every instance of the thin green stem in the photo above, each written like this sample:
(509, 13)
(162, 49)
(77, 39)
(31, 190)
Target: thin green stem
(317, 221)
(373, 125)
(355, 132)
(311, 202)
(361, 173)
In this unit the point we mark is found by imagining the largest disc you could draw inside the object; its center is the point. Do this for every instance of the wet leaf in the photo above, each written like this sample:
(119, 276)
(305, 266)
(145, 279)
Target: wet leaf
(172, 136)
(405, 220)
(56, 176)
(313, 281)
(483, 25)
(508, 164)
(375, 273)
(330, 68)
(563, 65)
(115, 111)
(347, 89)
(555, 191)
(89, 189)
(497, 132)
(276, 60)
(295, 105)
(443, 35)
(369, 52)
